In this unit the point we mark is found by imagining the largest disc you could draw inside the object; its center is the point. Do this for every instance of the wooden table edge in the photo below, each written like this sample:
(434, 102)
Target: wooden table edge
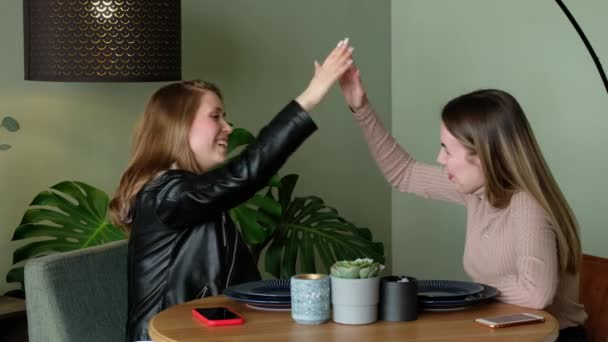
(157, 337)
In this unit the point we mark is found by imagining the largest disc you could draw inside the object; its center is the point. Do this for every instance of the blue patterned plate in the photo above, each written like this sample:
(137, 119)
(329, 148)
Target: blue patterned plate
(442, 289)
(449, 304)
(272, 288)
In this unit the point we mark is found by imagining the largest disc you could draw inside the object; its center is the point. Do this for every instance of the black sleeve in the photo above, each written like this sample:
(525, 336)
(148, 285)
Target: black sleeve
(186, 198)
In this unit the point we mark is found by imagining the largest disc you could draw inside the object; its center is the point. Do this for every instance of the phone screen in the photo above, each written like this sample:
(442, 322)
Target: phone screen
(217, 314)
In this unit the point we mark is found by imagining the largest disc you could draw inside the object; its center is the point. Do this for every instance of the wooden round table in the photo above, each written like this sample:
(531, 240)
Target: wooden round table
(177, 324)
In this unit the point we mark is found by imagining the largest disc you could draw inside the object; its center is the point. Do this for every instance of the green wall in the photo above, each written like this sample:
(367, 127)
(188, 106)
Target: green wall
(415, 55)
(260, 53)
(442, 49)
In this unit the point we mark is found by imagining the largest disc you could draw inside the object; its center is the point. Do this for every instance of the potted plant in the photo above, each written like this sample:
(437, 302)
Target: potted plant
(355, 286)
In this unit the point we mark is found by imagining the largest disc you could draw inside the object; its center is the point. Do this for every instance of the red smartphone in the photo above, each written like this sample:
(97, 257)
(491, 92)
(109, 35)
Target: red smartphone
(217, 316)
(510, 320)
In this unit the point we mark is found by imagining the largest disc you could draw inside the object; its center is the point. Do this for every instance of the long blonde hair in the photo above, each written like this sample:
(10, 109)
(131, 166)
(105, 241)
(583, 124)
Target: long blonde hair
(160, 140)
(491, 124)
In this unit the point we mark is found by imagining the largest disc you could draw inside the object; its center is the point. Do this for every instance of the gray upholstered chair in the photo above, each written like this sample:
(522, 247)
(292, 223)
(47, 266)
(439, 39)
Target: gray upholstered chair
(79, 295)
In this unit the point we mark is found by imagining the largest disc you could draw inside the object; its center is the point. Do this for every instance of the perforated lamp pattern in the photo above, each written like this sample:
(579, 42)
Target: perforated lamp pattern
(97, 41)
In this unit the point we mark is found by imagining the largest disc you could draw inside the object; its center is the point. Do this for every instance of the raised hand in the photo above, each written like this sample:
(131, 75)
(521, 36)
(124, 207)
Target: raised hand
(352, 89)
(326, 74)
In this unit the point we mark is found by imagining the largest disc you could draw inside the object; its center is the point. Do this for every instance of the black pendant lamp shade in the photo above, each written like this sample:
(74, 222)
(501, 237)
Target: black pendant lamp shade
(102, 41)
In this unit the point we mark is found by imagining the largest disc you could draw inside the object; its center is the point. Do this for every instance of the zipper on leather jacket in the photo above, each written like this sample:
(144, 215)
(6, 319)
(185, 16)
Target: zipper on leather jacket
(224, 227)
(202, 293)
(236, 239)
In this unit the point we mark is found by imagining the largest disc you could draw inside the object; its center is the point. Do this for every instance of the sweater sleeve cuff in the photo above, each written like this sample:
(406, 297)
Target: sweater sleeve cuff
(363, 112)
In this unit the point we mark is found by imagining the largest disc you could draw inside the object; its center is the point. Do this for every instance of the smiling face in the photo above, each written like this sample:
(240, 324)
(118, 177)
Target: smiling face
(463, 168)
(208, 136)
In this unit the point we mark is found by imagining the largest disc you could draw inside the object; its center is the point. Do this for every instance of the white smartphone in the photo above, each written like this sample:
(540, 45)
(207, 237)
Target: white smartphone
(510, 320)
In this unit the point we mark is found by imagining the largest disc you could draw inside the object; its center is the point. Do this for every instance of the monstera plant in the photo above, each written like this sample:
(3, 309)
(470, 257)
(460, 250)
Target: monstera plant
(69, 216)
(292, 228)
(73, 215)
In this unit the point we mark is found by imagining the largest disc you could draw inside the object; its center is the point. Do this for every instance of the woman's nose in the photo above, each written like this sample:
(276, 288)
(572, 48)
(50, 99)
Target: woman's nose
(441, 157)
(227, 127)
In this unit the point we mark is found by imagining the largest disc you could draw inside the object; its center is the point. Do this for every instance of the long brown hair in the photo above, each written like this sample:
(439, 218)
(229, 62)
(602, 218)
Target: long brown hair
(160, 140)
(491, 124)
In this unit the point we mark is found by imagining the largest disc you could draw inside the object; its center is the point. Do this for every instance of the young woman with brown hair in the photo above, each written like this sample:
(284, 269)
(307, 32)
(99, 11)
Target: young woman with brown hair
(174, 194)
(522, 237)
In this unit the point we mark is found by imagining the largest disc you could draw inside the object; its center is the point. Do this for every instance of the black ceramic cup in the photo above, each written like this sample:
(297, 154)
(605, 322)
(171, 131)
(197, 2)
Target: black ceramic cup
(398, 298)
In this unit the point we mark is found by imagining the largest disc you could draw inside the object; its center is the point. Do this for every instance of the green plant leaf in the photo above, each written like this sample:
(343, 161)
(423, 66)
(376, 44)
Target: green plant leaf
(10, 124)
(239, 137)
(267, 204)
(253, 232)
(274, 182)
(70, 215)
(309, 225)
(290, 254)
(15, 275)
(256, 218)
(274, 254)
(286, 186)
(307, 257)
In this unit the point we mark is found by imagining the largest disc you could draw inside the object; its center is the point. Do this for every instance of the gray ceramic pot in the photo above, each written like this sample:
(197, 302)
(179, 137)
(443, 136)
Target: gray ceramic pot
(355, 301)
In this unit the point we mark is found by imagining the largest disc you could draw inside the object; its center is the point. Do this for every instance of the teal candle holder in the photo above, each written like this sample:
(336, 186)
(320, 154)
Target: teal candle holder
(310, 298)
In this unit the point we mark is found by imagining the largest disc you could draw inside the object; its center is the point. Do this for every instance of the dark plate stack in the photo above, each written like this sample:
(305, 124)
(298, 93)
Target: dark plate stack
(450, 295)
(271, 295)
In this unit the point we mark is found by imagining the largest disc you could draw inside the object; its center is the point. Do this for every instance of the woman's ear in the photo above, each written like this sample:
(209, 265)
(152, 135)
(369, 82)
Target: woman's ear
(474, 158)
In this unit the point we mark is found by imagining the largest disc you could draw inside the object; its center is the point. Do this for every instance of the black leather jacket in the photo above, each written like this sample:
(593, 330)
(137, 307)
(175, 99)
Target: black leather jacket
(183, 244)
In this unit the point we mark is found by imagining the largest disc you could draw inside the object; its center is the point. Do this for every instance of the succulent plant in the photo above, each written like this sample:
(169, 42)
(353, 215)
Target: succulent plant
(357, 269)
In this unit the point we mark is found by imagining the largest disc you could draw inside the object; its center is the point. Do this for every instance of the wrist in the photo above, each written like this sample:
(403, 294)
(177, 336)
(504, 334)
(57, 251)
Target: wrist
(360, 108)
(306, 101)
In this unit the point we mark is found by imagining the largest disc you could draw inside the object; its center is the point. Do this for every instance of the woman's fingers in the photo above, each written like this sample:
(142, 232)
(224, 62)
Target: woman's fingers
(326, 74)
(340, 48)
(339, 60)
(341, 52)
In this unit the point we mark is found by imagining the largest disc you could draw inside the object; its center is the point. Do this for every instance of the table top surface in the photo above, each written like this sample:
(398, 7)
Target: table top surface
(177, 324)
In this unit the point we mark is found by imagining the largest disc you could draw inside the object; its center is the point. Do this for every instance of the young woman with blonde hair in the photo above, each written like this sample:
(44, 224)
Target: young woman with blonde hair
(174, 194)
(522, 237)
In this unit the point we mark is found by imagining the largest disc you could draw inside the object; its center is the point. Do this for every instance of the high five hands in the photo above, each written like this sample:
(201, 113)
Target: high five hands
(326, 74)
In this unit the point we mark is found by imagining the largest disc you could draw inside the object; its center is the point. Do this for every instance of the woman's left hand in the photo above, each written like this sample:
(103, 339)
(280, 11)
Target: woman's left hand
(353, 89)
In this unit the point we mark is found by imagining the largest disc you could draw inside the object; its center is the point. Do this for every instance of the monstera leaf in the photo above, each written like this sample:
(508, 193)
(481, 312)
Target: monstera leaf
(69, 216)
(308, 226)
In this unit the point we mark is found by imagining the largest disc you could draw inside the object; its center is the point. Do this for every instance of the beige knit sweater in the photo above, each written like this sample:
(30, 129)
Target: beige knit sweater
(513, 249)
